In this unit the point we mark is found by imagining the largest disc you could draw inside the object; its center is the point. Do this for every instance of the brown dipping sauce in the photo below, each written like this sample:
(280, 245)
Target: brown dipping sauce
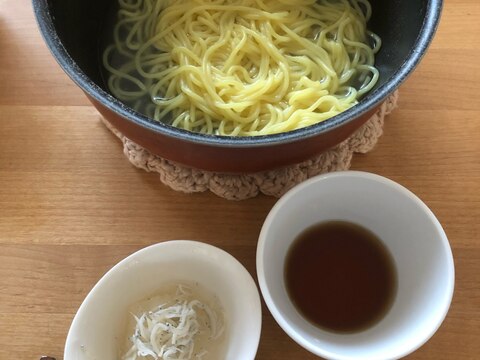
(340, 276)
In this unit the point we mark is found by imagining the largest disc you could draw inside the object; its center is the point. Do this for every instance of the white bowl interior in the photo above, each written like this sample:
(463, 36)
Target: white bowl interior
(98, 329)
(409, 230)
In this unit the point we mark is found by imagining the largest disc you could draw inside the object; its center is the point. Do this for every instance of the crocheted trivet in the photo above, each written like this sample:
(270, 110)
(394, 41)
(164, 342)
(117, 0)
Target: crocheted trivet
(273, 182)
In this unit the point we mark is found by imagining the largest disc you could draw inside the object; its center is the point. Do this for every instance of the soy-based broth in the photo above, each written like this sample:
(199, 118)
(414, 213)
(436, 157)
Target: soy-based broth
(340, 276)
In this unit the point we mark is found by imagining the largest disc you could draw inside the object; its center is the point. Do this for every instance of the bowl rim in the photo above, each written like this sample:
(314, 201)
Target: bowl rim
(202, 250)
(373, 98)
(352, 174)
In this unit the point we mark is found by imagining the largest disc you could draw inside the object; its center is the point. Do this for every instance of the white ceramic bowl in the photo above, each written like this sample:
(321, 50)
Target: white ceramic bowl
(98, 329)
(409, 230)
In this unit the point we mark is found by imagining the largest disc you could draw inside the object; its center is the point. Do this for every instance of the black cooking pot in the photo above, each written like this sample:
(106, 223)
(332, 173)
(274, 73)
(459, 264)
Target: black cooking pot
(73, 30)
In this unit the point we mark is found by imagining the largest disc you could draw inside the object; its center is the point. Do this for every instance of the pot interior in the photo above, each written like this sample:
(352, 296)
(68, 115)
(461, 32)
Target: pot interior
(84, 25)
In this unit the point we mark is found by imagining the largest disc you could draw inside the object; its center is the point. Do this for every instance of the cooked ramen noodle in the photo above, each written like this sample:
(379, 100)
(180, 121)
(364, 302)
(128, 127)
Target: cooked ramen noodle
(241, 67)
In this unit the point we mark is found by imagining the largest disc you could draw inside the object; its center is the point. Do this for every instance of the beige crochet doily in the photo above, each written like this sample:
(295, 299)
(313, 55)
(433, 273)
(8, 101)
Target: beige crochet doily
(273, 182)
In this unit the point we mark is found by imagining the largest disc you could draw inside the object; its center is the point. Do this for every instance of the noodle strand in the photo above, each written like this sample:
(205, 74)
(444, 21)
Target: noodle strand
(241, 67)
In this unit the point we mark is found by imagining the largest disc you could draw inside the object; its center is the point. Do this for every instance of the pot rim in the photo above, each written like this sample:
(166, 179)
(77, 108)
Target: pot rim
(373, 98)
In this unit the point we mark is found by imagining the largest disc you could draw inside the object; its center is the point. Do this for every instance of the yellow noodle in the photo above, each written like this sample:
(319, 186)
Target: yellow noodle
(242, 67)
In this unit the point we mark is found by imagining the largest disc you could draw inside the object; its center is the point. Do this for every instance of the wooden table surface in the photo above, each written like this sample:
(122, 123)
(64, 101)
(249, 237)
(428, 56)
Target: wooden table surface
(71, 205)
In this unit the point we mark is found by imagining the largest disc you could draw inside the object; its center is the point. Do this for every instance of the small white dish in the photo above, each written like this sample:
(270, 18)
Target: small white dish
(98, 329)
(408, 229)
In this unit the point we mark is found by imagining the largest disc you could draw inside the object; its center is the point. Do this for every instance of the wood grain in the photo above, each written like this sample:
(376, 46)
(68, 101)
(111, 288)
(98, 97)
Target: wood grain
(71, 206)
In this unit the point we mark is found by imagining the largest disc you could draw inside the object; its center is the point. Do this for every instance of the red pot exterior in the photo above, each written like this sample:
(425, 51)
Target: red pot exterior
(230, 159)
(72, 28)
